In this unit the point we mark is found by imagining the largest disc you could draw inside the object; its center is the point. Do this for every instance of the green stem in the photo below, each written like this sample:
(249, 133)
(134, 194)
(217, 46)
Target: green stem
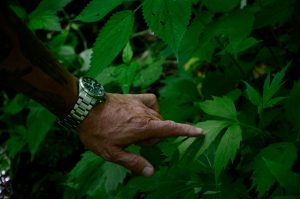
(253, 128)
(239, 67)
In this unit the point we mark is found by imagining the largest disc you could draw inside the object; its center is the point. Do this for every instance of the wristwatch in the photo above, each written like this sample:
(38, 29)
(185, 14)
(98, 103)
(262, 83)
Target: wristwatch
(90, 93)
(5, 185)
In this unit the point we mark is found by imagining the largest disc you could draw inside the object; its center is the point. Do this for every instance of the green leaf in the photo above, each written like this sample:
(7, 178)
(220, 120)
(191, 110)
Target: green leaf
(107, 76)
(281, 153)
(125, 75)
(211, 129)
(97, 9)
(44, 16)
(287, 179)
(149, 74)
(235, 26)
(92, 172)
(285, 197)
(274, 101)
(254, 96)
(113, 175)
(85, 176)
(168, 19)
(39, 122)
(270, 89)
(228, 147)
(177, 99)
(221, 107)
(293, 106)
(127, 53)
(111, 40)
(221, 5)
(16, 105)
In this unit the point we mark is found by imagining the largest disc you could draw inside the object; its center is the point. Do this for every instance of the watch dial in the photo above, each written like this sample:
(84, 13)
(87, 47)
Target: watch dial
(93, 87)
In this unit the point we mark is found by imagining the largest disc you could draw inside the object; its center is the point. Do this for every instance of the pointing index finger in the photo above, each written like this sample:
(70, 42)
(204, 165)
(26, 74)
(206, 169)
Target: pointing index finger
(168, 128)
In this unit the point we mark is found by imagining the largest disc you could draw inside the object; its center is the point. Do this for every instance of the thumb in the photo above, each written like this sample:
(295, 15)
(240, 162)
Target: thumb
(134, 162)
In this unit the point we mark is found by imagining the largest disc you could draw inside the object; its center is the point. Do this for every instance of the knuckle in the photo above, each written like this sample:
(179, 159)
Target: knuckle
(170, 123)
(152, 96)
(108, 156)
(134, 160)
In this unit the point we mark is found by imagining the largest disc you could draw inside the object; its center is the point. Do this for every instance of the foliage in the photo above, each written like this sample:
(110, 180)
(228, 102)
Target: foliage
(229, 67)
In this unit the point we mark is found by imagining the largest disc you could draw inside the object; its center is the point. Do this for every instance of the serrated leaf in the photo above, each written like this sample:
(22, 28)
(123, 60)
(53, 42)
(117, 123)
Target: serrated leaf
(270, 89)
(113, 175)
(274, 101)
(92, 172)
(287, 179)
(183, 108)
(293, 106)
(149, 74)
(254, 96)
(168, 19)
(107, 76)
(85, 176)
(39, 122)
(15, 105)
(127, 53)
(282, 153)
(44, 16)
(111, 40)
(125, 75)
(97, 9)
(221, 107)
(185, 145)
(227, 148)
(221, 5)
(211, 129)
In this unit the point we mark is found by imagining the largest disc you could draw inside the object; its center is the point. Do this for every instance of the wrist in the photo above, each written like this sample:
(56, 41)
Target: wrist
(90, 93)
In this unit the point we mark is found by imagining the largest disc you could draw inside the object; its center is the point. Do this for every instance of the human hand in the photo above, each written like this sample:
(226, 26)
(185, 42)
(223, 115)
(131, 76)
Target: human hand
(128, 119)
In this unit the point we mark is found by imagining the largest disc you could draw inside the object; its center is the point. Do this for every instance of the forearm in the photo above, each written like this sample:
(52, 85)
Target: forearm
(26, 65)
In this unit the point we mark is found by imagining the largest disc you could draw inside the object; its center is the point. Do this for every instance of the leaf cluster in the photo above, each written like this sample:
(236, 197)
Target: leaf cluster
(229, 67)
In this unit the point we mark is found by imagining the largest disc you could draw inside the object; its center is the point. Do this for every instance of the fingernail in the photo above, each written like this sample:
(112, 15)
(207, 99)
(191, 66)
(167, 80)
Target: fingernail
(200, 131)
(148, 171)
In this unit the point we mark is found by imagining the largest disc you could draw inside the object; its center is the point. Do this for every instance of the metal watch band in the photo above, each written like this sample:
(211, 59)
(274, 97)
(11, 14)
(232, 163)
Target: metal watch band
(81, 109)
(5, 185)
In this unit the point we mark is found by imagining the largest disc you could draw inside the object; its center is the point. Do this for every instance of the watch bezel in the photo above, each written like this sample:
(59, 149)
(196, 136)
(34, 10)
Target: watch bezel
(82, 85)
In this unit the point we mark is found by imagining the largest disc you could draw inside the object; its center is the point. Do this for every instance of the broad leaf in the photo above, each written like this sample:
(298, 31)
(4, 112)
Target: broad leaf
(85, 176)
(111, 40)
(221, 5)
(97, 9)
(16, 104)
(113, 175)
(168, 19)
(211, 129)
(44, 16)
(92, 172)
(288, 180)
(39, 122)
(149, 74)
(177, 100)
(221, 107)
(281, 153)
(125, 75)
(228, 147)
(293, 106)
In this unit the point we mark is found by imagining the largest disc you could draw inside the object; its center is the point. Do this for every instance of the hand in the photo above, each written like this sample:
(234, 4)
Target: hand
(128, 119)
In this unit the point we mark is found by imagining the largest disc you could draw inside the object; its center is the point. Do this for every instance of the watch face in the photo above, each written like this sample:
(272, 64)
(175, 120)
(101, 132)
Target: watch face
(92, 87)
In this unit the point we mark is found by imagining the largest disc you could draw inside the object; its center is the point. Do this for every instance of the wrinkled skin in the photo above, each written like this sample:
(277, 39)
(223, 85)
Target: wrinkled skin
(128, 119)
